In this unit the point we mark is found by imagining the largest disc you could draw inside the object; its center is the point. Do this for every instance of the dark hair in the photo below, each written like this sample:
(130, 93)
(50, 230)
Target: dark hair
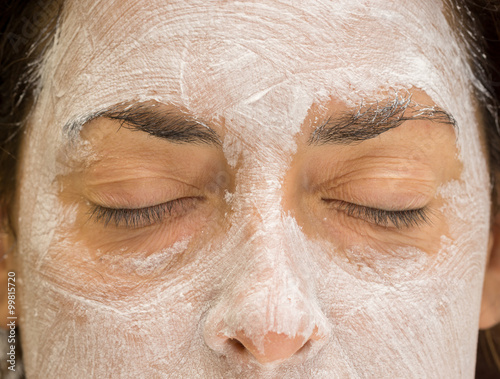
(485, 18)
(28, 27)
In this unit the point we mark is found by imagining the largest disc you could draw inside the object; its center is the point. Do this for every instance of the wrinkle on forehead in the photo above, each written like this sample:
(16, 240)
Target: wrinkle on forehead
(212, 56)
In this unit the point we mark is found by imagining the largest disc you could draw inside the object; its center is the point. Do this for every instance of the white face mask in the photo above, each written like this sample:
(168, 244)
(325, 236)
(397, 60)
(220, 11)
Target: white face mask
(262, 274)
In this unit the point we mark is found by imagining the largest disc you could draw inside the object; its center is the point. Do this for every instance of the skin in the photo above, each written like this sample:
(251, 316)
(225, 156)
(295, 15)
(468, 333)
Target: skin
(260, 270)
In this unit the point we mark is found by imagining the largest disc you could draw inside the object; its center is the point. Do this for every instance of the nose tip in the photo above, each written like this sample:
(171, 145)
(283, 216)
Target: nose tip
(273, 347)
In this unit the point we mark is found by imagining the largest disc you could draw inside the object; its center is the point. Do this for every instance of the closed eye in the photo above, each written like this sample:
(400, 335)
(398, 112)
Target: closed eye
(142, 217)
(399, 219)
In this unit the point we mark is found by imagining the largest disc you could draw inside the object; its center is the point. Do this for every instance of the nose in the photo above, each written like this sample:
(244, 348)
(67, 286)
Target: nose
(274, 347)
(269, 316)
(266, 310)
(268, 336)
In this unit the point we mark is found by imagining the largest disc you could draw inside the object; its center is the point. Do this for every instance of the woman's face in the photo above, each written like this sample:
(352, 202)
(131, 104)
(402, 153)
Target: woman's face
(252, 189)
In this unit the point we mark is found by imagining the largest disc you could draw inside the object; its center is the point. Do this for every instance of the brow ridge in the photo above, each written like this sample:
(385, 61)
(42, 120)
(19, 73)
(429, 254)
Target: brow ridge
(369, 122)
(167, 122)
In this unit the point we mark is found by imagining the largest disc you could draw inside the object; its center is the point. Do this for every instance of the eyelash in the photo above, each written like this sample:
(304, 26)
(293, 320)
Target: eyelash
(142, 217)
(404, 219)
(139, 217)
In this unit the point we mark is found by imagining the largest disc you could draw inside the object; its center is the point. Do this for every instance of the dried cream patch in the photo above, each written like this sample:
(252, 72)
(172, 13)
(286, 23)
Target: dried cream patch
(255, 67)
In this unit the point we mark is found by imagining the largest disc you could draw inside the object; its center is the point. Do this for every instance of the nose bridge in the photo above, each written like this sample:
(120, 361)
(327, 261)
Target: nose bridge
(278, 302)
(269, 305)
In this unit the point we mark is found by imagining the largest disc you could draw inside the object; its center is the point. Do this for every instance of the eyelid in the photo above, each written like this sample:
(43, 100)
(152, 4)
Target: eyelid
(399, 219)
(145, 195)
(387, 193)
(141, 217)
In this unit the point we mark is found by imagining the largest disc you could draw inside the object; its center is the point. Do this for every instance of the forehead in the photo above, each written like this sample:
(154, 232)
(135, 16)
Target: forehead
(221, 58)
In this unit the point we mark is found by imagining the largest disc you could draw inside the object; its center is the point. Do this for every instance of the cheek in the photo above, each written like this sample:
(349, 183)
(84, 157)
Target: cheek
(413, 311)
(155, 328)
(126, 308)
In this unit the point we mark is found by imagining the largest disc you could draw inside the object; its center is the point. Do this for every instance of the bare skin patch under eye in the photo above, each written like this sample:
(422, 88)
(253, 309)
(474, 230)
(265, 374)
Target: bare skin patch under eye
(382, 189)
(136, 184)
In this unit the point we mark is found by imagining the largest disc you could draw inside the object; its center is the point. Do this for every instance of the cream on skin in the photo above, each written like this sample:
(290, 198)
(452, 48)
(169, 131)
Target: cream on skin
(262, 277)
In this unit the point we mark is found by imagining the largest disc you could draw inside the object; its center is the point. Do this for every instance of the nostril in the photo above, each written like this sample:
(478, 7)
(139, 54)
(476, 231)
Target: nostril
(236, 349)
(304, 349)
(236, 345)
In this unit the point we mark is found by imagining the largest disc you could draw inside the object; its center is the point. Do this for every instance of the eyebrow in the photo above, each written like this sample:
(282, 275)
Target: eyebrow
(170, 123)
(370, 121)
(177, 126)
